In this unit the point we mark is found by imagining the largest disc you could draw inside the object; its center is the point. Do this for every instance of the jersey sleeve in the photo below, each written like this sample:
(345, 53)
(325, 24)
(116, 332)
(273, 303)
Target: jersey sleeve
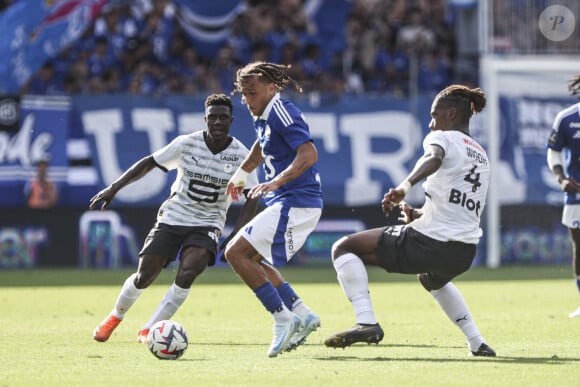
(437, 137)
(557, 140)
(169, 156)
(295, 129)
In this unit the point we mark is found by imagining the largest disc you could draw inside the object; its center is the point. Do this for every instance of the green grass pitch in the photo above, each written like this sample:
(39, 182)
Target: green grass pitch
(47, 318)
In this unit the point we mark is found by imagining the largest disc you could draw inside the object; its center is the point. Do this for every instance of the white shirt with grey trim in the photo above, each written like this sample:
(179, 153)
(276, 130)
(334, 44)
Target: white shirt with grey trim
(198, 194)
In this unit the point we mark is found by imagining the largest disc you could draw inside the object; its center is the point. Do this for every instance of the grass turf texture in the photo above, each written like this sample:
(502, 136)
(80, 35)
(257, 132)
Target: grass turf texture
(48, 316)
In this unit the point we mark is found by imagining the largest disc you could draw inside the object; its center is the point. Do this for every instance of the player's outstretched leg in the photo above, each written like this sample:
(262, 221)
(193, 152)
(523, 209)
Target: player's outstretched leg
(360, 333)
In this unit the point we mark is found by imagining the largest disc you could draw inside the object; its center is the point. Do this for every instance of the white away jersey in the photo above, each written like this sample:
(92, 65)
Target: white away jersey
(198, 194)
(456, 193)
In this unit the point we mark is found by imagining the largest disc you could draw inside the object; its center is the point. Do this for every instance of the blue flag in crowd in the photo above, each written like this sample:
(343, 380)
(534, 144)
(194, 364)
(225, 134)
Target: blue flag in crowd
(34, 31)
(207, 22)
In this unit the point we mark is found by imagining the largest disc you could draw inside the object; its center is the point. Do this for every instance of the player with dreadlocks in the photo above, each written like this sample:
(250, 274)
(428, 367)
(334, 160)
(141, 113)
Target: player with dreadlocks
(564, 136)
(439, 240)
(292, 194)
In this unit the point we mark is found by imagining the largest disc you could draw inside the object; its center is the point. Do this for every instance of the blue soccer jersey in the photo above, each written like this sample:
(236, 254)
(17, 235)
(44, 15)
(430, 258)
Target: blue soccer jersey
(281, 129)
(566, 135)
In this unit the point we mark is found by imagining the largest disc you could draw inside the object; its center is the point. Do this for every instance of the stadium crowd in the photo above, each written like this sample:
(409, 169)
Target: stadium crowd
(139, 47)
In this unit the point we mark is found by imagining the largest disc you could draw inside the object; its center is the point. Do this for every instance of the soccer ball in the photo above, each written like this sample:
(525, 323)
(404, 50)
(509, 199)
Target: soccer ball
(167, 340)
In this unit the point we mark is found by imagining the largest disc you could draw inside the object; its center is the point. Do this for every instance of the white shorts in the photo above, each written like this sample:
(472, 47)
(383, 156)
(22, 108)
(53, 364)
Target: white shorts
(278, 232)
(571, 215)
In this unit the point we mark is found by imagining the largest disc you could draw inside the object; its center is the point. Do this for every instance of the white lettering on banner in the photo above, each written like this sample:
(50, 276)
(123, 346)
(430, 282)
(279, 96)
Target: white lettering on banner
(535, 119)
(104, 124)
(21, 147)
(362, 129)
(323, 125)
(187, 121)
(534, 112)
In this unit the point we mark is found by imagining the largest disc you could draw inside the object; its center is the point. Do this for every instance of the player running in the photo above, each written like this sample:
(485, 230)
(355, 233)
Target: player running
(293, 197)
(191, 221)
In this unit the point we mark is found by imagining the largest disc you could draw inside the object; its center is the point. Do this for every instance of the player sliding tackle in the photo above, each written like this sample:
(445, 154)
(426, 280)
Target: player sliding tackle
(439, 240)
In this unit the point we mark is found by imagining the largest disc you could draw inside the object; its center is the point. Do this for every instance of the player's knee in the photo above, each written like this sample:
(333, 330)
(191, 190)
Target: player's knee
(429, 282)
(188, 273)
(143, 279)
(338, 248)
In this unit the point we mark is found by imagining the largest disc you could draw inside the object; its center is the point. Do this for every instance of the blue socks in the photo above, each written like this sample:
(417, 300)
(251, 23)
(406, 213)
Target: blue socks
(269, 297)
(288, 295)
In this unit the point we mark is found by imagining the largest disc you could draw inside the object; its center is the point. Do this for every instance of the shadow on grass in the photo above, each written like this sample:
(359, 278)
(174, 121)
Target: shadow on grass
(292, 273)
(499, 359)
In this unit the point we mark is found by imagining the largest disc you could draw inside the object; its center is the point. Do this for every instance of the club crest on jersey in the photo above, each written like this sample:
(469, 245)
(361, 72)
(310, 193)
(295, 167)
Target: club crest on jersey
(228, 168)
(266, 131)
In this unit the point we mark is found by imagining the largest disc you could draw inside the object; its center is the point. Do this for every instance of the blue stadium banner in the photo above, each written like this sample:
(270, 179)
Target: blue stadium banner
(34, 31)
(366, 145)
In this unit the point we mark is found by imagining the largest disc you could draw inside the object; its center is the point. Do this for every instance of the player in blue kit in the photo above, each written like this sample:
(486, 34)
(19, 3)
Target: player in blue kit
(565, 136)
(293, 197)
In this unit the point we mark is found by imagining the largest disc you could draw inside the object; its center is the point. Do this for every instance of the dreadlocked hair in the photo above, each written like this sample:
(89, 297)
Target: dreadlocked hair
(219, 99)
(271, 72)
(574, 86)
(471, 100)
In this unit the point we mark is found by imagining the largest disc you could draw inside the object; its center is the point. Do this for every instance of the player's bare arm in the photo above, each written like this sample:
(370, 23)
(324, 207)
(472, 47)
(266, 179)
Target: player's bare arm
(235, 187)
(134, 173)
(306, 156)
(428, 164)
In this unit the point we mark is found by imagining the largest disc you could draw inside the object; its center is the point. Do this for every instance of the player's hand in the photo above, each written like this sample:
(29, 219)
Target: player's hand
(406, 212)
(236, 184)
(262, 190)
(106, 196)
(234, 191)
(570, 185)
(387, 205)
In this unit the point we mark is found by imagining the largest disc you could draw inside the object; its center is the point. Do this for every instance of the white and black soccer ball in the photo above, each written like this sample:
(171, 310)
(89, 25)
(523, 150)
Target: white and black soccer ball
(167, 340)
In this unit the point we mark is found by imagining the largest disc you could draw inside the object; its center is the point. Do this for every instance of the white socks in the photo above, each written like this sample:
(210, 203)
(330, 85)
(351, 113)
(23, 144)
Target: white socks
(282, 316)
(453, 304)
(127, 297)
(169, 304)
(300, 309)
(353, 279)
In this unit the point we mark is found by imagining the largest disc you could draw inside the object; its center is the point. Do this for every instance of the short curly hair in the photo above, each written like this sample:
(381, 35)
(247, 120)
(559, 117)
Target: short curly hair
(219, 99)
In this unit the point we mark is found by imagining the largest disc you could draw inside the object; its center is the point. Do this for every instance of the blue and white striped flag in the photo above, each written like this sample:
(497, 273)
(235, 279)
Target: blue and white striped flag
(34, 31)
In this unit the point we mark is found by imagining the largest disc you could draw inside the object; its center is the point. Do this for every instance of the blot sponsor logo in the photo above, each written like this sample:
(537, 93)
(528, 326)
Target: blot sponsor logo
(457, 197)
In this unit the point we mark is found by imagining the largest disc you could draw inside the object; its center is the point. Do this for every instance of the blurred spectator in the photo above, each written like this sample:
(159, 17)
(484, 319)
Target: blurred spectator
(138, 46)
(45, 81)
(434, 72)
(41, 192)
